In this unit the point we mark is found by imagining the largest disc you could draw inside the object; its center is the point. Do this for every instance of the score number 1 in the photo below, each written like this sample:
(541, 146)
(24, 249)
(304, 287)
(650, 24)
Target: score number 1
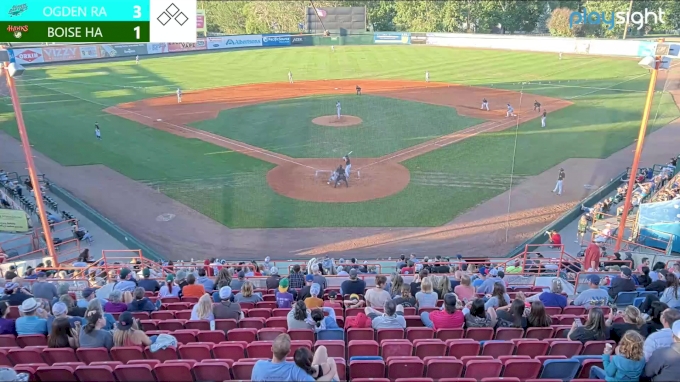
(137, 13)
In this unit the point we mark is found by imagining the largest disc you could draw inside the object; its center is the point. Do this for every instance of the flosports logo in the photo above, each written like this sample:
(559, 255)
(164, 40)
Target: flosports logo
(17, 10)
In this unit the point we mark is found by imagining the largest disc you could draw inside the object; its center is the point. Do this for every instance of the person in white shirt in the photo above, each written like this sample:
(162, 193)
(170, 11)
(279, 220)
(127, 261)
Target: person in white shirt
(179, 95)
(137, 59)
(664, 337)
(427, 76)
(290, 77)
(338, 107)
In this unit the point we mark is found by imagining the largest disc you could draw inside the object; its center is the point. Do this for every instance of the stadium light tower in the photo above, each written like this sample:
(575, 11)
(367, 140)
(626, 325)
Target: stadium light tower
(654, 63)
(15, 70)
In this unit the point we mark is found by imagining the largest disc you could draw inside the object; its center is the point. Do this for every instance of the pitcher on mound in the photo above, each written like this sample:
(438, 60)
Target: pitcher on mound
(338, 108)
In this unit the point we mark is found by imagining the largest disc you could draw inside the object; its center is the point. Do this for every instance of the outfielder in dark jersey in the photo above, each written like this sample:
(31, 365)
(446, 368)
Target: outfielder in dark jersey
(537, 106)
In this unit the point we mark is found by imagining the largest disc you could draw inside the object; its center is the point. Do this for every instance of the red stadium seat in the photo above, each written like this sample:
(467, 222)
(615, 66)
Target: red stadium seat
(148, 325)
(53, 355)
(225, 324)
(169, 300)
(302, 334)
(92, 373)
(421, 379)
(443, 367)
(242, 334)
(141, 315)
(522, 368)
(182, 314)
(462, 348)
(134, 373)
(260, 312)
(366, 369)
(197, 325)
(174, 372)
(260, 349)
(450, 334)
(212, 371)
(171, 325)
(507, 334)
(295, 344)
(266, 305)
(280, 312)
(30, 355)
(429, 348)
(269, 334)
(362, 348)
(126, 354)
(396, 348)
(277, 322)
(596, 347)
(479, 369)
(389, 334)
(350, 312)
(196, 351)
(586, 365)
(365, 334)
(574, 310)
(211, 336)
(32, 340)
(342, 367)
(190, 300)
(185, 336)
(242, 370)
(419, 333)
(254, 323)
(334, 348)
(405, 367)
(531, 348)
(553, 310)
(498, 348)
(480, 334)
(371, 380)
(565, 348)
(56, 374)
(162, 355)
(163, 315)
(8, 340)
(539, 333)
(234, 350)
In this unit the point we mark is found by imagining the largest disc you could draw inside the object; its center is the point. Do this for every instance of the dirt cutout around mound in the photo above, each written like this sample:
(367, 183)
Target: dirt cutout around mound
(306, 178)
(334, 121)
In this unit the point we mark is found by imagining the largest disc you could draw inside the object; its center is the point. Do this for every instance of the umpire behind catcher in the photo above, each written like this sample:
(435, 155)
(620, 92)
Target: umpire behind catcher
(340, 176)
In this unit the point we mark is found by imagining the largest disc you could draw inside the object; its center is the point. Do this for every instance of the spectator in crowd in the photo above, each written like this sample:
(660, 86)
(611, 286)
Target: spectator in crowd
(627, 364)
(11, 274)
(591, 257)
(96, 305)
(480, 317)
(657, 267)
(62, 335)
(141, 303)
(322, 322)
(88, 295)
(396, 282)
(226, 309)
(129, 333)
(354, 285)
(147, 283)
(297, 318)
(664, 364)
(417, 281)
(487, 285)
(632, 320)
(181, 279)
(125, 282)
(318, 277)
(393, 318)
(659, 285)
(7, 326)
(441, 285)
(73, 310)
(192, 289)
(15, 295)
(465, 291)
(169, 289)
(8, 374)
(537, 317)
(278, 369)
(654, 317)
(33, 319)
(409, 269)
(224, 279)
(284, 298)
(643, 263)
(405, 299)
(426, 298)
(59, 310)
(317, 365)
(623, 283)
(593, 296)
(354, 302)
(378, 296)
(670, 295)
(332, 300)
(238, 281)
(115, 303)
(247, 294)
(515, 268)
(314, 301)
(499, 298)
(664, 337)
(296, 278)
(644, 278)
(594, 329)
(203, 309)
(104, 291)
(92, 334)
(208, 284)
(512, 315)
(304, 292)
(448, 318)
(340, 271)
(44, 290)
(554, 298)
(274, 278)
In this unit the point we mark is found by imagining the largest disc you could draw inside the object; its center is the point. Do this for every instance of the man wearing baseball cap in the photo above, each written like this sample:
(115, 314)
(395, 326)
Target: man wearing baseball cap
(623, 283)
(147, 282)
(125, 281)
(487, 285)
(227, 309)
(353, 285)
(284, 297)
(664, 364)
(274, 278)
(593, 296)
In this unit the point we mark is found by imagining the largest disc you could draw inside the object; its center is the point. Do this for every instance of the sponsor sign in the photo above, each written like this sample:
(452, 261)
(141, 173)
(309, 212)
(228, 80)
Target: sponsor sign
(301, 40)
(123, 50)
(200, 44)
(157, 47)
(28, 56)
(200, 21)
(276, 40)
(88, 52)
(418, 38)
(64, 53)
(13, 221)
(392, 38)
(231, 42)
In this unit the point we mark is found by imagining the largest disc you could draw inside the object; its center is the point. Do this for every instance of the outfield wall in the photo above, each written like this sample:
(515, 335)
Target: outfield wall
(599, 47)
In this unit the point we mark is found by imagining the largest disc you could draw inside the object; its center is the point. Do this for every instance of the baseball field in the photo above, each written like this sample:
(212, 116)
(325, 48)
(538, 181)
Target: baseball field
(242, 148)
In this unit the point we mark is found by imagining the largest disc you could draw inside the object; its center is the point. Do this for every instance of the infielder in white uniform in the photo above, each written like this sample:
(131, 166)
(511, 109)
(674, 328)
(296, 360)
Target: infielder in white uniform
(545, 113)
(485, 104)
(338, 108)
(560, 55)
(290, 77)
(332, 48)
(511, 112)
(427, 76)
(97, 133)
(137, 60)
(179, 95)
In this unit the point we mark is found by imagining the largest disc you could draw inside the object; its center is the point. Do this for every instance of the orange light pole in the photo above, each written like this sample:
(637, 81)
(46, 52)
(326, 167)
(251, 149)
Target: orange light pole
(638, 152)
(26, 145)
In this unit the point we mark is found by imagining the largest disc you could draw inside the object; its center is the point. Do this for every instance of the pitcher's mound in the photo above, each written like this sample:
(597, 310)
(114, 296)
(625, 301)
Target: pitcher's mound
(333, 121)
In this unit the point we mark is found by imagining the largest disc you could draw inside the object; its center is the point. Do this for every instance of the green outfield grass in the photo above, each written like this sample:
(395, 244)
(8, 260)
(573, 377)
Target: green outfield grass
(61, 104)
(286, 126)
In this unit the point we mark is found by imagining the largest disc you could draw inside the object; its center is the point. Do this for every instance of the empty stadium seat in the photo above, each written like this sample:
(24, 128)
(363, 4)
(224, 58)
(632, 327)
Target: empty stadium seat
(405, 367)
(95, 373)
(483, 368)
(54, 355)
(366, 369)
(366, 334)
(419, 333)
(564, 369)
(521, 368)
(595, 347)
(242, 370)
(212, 371)
(531, 348)
(539, 333)
(134, 373)
(443, 367)
(269, 334)
(331, 334)
(507, 334)
(173, 372)
(362, 348)
(389, 334)
(56, 374)
(242, 334)
(125, 354)
(334, 348)
(230, 350)
(462, 348)
(396, 348)
(196, 351)
(479, 334)
(450, 334)
(565, 348)
(260, 349)
(429, 348)
(304, 334)
(19, 356)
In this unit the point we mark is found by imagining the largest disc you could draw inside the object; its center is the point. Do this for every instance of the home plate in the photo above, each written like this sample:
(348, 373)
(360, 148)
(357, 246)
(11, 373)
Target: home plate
(159, 120)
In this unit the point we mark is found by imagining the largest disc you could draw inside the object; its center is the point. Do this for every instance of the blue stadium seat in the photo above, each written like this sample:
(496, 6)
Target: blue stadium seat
(644, 293)
(625, 298)
(564, 369)
(638, 302)
(331, 334)
(366, 358)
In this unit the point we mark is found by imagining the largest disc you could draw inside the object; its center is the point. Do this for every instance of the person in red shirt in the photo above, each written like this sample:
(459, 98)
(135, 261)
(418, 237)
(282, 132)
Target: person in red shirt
(409, 269)
(448, 318)
(591, 259)
(332, 300)
(555, 238)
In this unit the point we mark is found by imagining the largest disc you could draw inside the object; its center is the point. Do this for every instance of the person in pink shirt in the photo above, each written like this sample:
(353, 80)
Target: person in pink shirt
(447, 318)
(465, 291)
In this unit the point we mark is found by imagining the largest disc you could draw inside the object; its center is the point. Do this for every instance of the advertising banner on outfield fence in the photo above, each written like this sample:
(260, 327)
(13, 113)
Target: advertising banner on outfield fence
(200, 44)
(200, 21)
(230, 42)
(418, 38)
(392, 38)
(305, 40)
(27, 56)
(157, 48)
(275, 40)
(70, 53)
(13, 221)
(123, 50)
(88, 52)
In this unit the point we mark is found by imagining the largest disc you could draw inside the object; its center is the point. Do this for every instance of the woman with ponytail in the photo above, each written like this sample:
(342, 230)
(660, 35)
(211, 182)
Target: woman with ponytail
(92, 335)
(170, 289)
